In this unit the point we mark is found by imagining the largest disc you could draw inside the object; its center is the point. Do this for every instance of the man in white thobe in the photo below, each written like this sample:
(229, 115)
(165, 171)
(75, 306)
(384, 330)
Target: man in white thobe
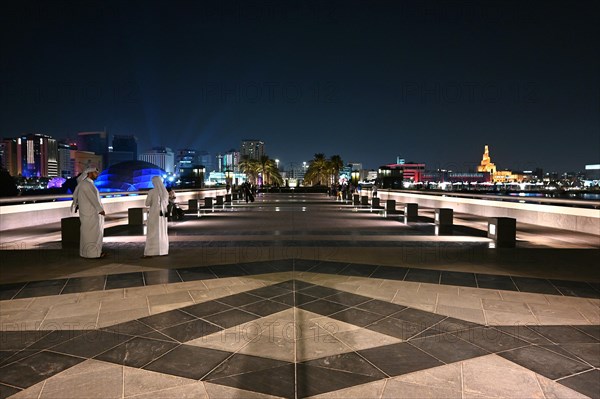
(157, 238)
(86, 198)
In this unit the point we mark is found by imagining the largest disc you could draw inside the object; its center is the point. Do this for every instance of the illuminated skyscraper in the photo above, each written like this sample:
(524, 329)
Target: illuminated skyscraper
(253, 149)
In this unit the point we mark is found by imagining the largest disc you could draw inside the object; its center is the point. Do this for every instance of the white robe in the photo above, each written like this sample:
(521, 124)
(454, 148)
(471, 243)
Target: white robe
(92, 223)
(157, 238)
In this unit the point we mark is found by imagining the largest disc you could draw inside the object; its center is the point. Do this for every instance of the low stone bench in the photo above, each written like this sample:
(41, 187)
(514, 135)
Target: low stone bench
(411, 212)
(364, 200)
(136, 216)
(444, 221)
(503, 231)
(220, 200)
(69, 229)
(193, 205)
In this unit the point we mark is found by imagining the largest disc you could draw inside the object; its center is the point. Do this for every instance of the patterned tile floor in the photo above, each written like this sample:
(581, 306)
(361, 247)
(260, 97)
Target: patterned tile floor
(295, 328)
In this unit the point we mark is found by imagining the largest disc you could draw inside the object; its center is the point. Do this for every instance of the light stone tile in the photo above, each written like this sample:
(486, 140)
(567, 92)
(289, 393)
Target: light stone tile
(208, 295)
(567, 320)
(479, 293)
(82, 322)
(50, 301)
(88, 366)
(525, 297)
(33, 392)
(15, 304)
(495, 318)
(504, 306)
(438, 289)
(155, 289)
(555, 311)
(467, 314)
(109, 318)
(216, 391)
(348, 287)
(555, 390)
(236, 289)
(568, 300)
(73, 309)
(413, 299)
(271, 347)
(497, 377)
(173, 300)
(364, 339)
(195, 390)
(113, 305)
(592, 314)
(383, 294)
(22, 317)
(468, 302)
(399, 389)
(404, 286)
(143, 382)
(221, 282)
(22, 325)
(251, 284)
(186, 286)
(448, 377)
(101, 382)
(363, 391)
(322, 346)
(103, 295)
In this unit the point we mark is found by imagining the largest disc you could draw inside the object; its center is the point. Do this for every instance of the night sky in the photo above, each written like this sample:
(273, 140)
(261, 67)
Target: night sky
(430, 81)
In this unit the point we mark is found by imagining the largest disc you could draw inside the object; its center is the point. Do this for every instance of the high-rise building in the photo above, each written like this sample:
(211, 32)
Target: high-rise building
(162, 157)
(186, 158)
(96, 142)
(66, 163)
(123, 143)
(253, 149)
(207, 159)
(9, 156)
(230, 161)
(36, 155)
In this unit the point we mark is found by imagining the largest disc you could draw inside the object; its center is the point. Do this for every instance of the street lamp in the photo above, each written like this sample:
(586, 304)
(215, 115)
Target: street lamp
(355, 174)
(228, 177)
(277, 163)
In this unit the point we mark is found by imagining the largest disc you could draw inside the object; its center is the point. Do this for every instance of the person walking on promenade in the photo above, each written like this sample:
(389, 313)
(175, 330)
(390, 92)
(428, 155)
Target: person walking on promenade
(157, 238)
(86, 200)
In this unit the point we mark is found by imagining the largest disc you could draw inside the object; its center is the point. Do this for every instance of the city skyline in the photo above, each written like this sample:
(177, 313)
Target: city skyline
(430, 82)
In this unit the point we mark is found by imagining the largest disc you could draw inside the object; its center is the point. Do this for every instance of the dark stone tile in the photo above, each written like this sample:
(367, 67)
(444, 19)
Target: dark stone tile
(133, 327)
(230, 318)
(196, 273)
(227, 271)
(167, 319)
(381, 307)
(91, 344)
(301, 299)
(287, 299)
(162, 277)
(8, 357)
(318, 291)
(191, 330)
(304, 265)
(452, 325)
(84, 284)
(287, 285)
(390, 273)
(239, 299)
(458, 278)
(593, 331)
(423, 276)
(317, 380)
(265, 308)
(357, 317)
(277, 381)
(18, 340)
(448, 348)
(8, 291)
(188, 361)
(257, 268)
(206, 308)
(356, 269)
(6, 391)
(397, 328)
(137, 352)
(525, 333)
(575, 288)
(490, 339)
(329, 267)
(322, 307)
(41, 288)
(535, 285)
(159, 336)
(270, 291)
(55, 338)
(589, 353)
(36, 368)
(544, 362)
(124, 280)
(348, 299)
(242, 364)
(587, 383)
(349, 362)
(419, 317)
(563, 334)
(495, 282)
(397, 359)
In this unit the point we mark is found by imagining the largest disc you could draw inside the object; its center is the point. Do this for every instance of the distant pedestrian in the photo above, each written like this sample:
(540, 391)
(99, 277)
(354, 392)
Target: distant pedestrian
(86, 200)
(157, 238)
(374, 191)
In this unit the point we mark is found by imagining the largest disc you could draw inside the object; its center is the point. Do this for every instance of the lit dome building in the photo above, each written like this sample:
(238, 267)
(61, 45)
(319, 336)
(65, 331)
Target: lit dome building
(128, 176)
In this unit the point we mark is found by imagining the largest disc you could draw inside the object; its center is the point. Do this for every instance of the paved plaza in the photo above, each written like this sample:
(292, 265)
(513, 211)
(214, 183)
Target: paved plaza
(297, 296)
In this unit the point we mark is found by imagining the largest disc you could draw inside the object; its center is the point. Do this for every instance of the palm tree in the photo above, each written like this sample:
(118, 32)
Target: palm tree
(250, 167)
(337, 164)
(317, 170)
(269, 170)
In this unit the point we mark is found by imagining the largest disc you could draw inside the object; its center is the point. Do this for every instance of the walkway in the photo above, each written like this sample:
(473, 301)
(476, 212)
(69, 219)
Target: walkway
(301, 296)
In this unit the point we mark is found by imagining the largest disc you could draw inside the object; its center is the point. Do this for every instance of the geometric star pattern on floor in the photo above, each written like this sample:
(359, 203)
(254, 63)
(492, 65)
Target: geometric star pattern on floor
(298, 339)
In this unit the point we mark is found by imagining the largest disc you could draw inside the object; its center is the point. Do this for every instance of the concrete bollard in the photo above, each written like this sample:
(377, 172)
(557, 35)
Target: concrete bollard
(411, 212)
(235, 196)
(503, 231)
(444, 221)
(192, 205)
(219, 201)
(228, 198)
(355, 200)
(136, 216)
(364, 200)
(375, 202)
(69, 229)
(208, 202)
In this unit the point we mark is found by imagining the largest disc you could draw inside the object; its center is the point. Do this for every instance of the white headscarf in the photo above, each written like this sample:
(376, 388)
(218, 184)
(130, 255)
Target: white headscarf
(80, 178)
(162, 192)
